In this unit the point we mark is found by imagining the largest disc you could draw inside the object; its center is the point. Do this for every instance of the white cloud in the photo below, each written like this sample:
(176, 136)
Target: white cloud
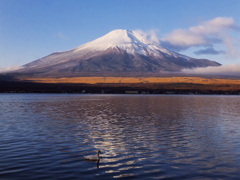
(232, 50)
(150, 35)
(229, 70)
(184, 38)
(208, 34)
(214, 26)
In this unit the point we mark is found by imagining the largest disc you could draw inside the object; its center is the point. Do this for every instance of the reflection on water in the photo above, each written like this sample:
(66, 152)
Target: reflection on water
(143, 137)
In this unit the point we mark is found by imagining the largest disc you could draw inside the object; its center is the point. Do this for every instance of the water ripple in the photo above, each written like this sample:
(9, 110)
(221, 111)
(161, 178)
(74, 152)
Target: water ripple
(140, 137)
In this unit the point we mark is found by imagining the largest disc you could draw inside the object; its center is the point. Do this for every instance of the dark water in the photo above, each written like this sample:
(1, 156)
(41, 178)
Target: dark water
(141, 137)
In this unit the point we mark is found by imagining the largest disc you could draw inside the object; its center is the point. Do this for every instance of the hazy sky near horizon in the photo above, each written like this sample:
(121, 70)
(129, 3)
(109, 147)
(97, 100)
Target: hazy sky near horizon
(31, 29)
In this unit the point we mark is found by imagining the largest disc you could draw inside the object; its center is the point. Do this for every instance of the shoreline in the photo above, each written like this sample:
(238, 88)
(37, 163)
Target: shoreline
(119, 88)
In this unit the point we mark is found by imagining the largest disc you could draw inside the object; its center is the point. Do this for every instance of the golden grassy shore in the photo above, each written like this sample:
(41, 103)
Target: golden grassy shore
(137, 80)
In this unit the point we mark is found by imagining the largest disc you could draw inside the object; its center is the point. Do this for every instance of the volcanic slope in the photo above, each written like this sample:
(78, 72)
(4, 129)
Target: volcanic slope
(118, 52)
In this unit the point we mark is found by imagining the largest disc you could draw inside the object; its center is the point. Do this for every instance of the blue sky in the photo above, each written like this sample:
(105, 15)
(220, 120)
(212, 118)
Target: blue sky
(31, 29)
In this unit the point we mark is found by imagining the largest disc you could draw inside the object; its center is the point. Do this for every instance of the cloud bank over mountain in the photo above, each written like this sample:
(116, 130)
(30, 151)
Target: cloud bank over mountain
(151, 35)
(228, 70)
(205, 35)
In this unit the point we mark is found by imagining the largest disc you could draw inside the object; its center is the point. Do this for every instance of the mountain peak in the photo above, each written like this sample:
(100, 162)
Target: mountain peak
(123, 36)
(127, 40)
(113, 38)
(118, 32)
(118, 36)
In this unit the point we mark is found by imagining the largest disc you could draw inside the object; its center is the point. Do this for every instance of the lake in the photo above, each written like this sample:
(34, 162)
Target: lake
(46, 136)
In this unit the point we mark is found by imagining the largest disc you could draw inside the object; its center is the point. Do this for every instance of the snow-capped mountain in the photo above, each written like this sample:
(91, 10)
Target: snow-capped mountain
(119, 51)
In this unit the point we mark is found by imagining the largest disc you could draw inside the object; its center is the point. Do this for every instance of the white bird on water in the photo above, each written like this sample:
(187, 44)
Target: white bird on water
(94, 157)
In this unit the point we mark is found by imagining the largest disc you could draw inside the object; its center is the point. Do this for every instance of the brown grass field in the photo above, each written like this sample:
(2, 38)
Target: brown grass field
(152, 85)
(138, 80)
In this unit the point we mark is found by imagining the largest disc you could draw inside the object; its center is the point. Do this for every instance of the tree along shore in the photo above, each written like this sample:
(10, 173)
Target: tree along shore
(118, 88)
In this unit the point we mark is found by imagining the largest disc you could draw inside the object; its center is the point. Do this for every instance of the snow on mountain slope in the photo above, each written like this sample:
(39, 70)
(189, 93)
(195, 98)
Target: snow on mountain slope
(127, 40)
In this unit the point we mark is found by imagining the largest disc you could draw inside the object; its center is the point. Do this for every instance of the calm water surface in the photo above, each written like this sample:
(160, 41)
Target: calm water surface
(45, 136)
